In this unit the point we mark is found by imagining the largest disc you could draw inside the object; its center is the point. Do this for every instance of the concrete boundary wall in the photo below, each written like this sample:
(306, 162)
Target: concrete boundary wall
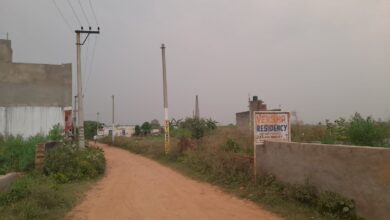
(358, 173)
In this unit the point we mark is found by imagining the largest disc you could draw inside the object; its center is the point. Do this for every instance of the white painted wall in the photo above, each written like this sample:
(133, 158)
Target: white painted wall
(28, 121)
(120, 130)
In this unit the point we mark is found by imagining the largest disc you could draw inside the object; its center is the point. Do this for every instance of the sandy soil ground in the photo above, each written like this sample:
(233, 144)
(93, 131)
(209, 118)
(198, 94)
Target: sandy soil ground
(138, 188)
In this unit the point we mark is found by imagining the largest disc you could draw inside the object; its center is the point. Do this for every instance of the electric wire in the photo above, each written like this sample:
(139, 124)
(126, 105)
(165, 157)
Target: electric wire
(93, 12)
(74, 12)
(85, 15)
(62, 15)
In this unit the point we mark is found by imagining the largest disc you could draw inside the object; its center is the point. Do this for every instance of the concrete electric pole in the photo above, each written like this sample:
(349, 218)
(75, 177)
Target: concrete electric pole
(75, 118)
(113, 120)
(80, 94)
(97, 124)
(166, 122)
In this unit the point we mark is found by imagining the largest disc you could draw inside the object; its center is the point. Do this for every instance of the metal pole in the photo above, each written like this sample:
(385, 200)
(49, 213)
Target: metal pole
(80, 94)
(167, 141)
(113, 120)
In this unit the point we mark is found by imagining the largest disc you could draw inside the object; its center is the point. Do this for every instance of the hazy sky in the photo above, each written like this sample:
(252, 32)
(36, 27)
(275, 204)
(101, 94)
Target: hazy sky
(320, 58)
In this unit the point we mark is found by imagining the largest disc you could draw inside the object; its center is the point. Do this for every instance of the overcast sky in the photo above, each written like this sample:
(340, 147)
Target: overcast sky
(320, 58)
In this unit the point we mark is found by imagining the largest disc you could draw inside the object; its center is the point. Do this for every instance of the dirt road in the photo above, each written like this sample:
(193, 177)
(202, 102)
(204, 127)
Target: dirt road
(138, 188)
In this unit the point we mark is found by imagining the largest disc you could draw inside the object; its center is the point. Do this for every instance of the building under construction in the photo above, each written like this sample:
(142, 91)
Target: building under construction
(33, 97)
(244, 119)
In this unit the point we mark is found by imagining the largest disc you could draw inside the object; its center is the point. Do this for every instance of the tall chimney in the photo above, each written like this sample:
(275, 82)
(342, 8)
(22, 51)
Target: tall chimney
(196, 107)
(5, 51)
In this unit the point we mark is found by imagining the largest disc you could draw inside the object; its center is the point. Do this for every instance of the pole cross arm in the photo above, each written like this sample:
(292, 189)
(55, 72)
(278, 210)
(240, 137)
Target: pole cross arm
(86, 32)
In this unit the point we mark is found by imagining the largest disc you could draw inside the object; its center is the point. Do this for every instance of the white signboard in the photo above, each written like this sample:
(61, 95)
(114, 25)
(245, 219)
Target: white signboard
(271, 125)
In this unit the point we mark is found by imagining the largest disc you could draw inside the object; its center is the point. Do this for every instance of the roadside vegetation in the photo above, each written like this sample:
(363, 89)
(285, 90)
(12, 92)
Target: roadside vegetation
(357, 130)
(67, 172)
(223, 156)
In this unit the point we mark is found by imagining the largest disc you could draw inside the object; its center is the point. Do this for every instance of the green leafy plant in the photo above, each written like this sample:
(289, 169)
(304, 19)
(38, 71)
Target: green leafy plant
(18, 153)
(68, 164)
(56, 133)
(365, 131)
(334, 204)
(198, 126)
(231, 146)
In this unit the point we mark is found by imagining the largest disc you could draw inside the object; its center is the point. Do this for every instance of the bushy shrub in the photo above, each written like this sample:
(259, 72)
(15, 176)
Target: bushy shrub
(334, 204)
(36, 196)
(56, 133)
(356, 131)
(18, 190)
(198, 126)
(306, 193)
(218, 165)
(17, 153)
(67, 163)
(366, 131)
(327, 203)
(230, 146)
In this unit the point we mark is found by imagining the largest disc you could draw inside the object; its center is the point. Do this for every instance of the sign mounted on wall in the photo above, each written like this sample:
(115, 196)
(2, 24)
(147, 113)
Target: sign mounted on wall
(271, 125)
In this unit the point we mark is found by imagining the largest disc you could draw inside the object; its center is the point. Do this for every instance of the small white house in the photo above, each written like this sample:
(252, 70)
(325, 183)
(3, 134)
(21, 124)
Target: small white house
(119, 130)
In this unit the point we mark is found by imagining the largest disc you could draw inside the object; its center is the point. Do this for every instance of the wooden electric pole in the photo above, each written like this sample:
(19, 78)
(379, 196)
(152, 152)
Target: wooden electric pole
(165, 90)
(80, 94)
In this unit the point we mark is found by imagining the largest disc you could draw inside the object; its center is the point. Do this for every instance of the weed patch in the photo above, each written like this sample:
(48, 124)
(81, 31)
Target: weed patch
(69, 164)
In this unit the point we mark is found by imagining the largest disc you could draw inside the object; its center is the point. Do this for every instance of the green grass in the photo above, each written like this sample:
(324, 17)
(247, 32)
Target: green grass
(36, 196)
(220, 158)
(68, 172)
(18, 154)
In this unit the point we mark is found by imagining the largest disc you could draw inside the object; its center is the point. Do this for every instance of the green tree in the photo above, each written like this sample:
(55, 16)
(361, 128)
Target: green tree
(146, 128)
(137, 130)
(155, 124)
(365, 131)
(198, 126)
(90, 128)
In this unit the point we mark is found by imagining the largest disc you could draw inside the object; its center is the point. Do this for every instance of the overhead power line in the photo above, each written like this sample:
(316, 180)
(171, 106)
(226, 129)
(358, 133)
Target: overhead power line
(74, 12)
(93, 12)
(85, 15)
(62, 15)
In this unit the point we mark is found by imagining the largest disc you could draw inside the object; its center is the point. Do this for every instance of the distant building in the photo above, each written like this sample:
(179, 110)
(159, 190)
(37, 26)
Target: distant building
(120, 130)
(155, 131)
(33, 97)
(244, 119)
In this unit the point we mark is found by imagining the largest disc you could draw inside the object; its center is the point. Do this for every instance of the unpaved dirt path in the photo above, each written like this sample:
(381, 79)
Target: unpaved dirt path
(138, 188)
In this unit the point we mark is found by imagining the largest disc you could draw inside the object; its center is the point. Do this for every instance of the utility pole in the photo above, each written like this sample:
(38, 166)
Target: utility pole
(166, 124)
(113, 120)
(79, 82)
(97, 124)
(74, 118)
